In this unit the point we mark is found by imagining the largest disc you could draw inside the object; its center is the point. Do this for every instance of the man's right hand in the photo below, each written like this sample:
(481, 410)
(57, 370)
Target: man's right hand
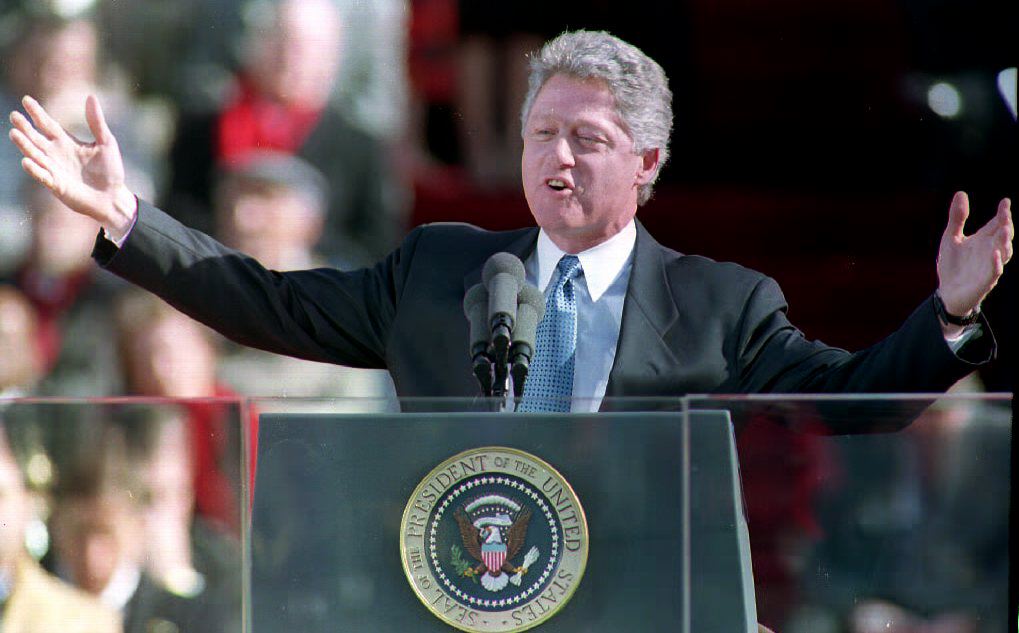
(87, 177)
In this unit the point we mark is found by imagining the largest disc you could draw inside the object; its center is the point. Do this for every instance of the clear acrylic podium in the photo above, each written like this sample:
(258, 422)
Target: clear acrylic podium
(702, 513)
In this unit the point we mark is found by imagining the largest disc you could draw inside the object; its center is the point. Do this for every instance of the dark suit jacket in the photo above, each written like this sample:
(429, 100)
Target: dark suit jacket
(690, 325)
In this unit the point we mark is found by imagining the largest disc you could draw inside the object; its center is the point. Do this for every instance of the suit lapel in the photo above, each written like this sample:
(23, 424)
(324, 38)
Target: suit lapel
(648, 313)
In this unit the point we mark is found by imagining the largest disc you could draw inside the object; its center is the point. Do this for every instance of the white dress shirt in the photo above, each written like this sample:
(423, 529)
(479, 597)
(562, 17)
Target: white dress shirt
(600, 293)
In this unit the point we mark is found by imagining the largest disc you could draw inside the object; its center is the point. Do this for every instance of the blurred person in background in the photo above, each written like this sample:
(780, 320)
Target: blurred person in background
(271, 206)
(914, 525)
(57, 57)
(185, 53)
(101, 545)
(21, 361)
(281, 102)
(32, 601)
(184, 553)
(163, 353)
(168, 355)
(71, 298)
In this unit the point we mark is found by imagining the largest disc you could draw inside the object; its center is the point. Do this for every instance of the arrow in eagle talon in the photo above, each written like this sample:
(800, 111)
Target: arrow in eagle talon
(532, 555)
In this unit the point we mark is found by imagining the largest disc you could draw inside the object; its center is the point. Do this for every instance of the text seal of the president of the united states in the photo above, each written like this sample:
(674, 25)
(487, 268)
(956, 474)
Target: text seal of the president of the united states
(494, 539)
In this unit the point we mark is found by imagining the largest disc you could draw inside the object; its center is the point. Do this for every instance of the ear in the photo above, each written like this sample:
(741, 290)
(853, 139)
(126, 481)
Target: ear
(648, 166)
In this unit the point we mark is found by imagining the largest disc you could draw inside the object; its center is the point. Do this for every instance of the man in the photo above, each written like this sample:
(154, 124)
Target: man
(280, 102)
(70, 297)
(21, 359)
(646, 321)
(101, 544)
(272, 206)
(32, 601)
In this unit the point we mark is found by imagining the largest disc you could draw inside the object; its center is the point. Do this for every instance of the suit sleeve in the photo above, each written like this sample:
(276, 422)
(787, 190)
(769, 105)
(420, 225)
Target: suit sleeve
(775, 356)
(321, 315)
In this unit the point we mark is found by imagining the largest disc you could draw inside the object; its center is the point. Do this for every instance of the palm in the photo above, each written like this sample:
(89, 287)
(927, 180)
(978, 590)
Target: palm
(100, 171)
(969, 266)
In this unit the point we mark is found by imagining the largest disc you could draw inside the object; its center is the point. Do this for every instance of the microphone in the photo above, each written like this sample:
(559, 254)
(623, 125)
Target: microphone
(503, 276)
(476, 310)
(530, 311)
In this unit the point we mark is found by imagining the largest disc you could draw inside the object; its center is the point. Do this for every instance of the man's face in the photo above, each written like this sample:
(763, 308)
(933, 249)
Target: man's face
(580, 173)
(296, 62)
(273, 224)
(172, 358)
(94, 536)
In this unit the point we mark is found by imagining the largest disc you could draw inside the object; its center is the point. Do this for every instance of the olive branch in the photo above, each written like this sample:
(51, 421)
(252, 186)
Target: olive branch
(463, 568)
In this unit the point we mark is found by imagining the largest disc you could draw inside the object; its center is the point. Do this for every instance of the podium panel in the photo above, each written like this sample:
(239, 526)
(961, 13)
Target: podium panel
(331, 491)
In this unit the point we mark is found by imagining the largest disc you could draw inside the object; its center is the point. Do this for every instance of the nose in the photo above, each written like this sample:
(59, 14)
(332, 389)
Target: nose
(564, 153)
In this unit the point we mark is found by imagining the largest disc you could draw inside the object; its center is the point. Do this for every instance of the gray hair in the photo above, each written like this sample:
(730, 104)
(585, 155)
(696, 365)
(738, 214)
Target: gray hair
(637, 82)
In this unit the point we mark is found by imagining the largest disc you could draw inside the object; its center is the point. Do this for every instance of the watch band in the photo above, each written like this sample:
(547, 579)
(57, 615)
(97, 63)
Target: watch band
(951, 319)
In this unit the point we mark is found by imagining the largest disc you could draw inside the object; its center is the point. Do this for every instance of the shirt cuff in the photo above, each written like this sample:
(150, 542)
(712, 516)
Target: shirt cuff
(957, 342)
(119, 241)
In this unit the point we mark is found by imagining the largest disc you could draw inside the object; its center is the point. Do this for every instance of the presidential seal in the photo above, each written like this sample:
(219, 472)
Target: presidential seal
(494, 539)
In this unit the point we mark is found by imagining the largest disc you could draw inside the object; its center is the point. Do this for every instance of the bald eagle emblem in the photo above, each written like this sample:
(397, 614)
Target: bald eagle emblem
(493, 529)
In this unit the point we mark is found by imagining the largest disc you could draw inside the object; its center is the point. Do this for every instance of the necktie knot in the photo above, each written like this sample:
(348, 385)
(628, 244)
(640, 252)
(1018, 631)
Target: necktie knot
(568, 268)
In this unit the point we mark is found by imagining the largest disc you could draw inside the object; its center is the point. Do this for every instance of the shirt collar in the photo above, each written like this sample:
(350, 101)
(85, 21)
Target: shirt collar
(121, 588)
(601, 264)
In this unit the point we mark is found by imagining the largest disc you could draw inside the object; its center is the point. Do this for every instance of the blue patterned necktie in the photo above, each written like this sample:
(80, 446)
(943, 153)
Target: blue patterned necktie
(549, 385)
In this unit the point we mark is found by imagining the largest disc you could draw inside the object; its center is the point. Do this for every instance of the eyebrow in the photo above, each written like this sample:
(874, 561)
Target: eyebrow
(543, 118)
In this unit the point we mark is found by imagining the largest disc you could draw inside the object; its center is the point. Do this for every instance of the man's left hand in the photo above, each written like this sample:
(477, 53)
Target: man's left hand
(969, 266)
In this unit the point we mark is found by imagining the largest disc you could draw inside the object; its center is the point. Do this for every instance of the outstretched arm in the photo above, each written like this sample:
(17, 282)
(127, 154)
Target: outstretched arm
(86, 177)
(969, 266)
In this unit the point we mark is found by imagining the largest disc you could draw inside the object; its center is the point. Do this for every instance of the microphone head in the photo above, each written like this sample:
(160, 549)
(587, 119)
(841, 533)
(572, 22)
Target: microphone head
(476, 311)
(529, 314)
(476, 296)
(503, 263)
(526, 330)
(533, 297)
(503, 275)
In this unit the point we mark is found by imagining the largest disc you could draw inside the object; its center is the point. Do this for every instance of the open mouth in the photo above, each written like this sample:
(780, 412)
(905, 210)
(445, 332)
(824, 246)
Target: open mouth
(557, 184)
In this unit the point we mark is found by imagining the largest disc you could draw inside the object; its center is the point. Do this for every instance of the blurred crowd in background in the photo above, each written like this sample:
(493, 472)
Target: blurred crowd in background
(316, 132)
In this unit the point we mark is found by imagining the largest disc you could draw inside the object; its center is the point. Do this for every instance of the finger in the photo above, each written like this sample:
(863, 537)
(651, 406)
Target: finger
(96, 120)
(1005, 216)
(39, 173)
(43, 121)
(957, 215)
(19, 122)
(27, 147)
(1005, 244)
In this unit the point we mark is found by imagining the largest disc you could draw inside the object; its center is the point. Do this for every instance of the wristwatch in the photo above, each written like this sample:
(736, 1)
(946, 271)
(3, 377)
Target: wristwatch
(951, 319)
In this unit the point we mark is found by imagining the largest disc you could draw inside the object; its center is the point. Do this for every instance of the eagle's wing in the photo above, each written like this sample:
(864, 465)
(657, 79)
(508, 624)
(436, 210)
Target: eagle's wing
(469, 535)
(517, 533)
